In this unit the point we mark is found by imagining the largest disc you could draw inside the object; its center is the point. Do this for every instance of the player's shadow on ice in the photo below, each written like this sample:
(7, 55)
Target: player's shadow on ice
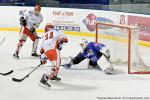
(70, 87)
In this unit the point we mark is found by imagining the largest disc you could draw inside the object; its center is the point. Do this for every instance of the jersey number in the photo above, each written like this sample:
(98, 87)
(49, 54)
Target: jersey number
(50, 37)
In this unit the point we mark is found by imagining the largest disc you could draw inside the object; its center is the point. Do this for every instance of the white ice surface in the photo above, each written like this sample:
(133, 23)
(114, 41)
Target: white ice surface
(76, 84)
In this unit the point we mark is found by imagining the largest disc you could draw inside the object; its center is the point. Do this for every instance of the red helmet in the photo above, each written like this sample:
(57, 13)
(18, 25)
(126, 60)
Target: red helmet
(37, 8)
(48, 26)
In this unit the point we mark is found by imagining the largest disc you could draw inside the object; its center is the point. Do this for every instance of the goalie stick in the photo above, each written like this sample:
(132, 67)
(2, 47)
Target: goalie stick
(7, 73)
(20, 80)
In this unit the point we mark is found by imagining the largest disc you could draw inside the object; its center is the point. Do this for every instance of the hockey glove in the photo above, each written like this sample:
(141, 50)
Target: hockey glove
(23, 21)
(42, 51)
(62, 42)
(43, 60)
(32, 30)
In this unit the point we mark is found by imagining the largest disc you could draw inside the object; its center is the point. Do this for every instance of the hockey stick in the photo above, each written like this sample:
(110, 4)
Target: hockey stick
(2, 41)
(45, 66)
(20, 80)
(7, 73)
(26, 68)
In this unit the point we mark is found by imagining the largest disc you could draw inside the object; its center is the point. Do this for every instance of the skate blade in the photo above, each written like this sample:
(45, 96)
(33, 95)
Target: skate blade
(44, 86)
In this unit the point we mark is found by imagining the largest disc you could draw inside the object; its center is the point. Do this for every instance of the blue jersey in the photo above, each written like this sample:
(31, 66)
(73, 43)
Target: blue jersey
(92, 51)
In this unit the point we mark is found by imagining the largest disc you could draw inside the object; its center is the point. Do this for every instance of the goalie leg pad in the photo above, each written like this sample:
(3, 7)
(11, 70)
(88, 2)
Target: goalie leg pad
(105, 51)
(105, 65)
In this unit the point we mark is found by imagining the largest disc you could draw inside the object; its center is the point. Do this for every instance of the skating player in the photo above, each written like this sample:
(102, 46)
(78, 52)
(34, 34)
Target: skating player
(53, 42)
(97, 54)
(29, 22)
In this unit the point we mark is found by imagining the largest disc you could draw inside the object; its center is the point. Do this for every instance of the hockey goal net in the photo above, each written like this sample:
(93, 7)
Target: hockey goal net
(122, 40)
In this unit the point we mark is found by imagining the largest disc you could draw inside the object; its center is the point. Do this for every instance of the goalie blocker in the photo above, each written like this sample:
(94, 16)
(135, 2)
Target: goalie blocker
(97, 54)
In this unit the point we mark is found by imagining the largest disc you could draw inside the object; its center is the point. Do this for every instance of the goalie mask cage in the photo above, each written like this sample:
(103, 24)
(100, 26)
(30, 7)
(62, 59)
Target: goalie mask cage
(122, 40)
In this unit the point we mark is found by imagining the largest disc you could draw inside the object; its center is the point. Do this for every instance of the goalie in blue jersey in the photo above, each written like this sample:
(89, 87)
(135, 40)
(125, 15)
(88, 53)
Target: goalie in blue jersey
(97, 53)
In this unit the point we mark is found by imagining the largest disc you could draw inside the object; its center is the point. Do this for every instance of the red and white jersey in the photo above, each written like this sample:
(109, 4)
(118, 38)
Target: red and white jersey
(32, 19)
(52, 39)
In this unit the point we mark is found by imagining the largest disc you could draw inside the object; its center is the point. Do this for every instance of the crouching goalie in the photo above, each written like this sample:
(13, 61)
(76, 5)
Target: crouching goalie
(97, 53)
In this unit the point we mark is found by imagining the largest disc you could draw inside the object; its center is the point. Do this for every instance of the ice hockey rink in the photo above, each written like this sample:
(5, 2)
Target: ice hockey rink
(78, 83)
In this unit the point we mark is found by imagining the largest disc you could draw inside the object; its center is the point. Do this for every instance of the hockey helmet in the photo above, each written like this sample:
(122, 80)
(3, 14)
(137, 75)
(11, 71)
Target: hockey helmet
(83, 43)
(48, 27)
(37, 9)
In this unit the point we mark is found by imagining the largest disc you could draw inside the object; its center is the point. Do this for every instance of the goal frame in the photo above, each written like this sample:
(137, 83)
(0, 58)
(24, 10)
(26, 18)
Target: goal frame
(128, 27)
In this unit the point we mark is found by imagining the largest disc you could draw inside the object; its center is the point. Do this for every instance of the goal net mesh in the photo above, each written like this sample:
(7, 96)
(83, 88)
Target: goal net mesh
(122, 40)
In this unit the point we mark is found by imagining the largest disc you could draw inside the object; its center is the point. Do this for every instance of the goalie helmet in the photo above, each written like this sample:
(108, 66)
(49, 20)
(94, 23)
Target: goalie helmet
(48, 27)
(83, 43)
(37, 9)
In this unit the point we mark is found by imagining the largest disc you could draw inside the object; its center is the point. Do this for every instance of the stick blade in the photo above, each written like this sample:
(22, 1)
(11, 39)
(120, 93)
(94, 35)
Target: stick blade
(7, 73)
(17, 80)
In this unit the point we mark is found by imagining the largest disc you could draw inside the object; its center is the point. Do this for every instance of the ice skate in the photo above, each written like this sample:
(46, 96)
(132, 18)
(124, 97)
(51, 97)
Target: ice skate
(15, 55)
(35, 54)
(55, 78)
(44, 82)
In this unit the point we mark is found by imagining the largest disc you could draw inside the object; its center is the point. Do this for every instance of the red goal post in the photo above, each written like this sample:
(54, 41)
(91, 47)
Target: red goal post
(122, 40)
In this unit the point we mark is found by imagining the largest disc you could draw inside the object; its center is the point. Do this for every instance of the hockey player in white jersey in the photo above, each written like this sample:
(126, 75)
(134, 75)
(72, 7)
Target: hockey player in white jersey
(53, 42)
(97, 53)
(29, 21)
